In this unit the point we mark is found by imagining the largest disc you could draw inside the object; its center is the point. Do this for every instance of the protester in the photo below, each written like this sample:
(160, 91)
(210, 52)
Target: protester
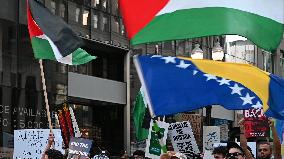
(264, 149)
(49, 153)
(219, 152)
(235, 151)
(138, 154)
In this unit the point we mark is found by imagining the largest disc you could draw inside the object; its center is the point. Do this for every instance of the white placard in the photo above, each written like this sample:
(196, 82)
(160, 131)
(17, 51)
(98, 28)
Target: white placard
(30, 143)
(211, 135)
(156, 139)
(183, 139)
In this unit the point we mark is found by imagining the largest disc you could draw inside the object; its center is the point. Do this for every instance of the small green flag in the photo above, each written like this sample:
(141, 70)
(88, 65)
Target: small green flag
(139, 116)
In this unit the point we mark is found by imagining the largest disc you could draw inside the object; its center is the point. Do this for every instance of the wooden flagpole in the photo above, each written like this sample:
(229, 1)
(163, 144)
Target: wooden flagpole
(45, 95)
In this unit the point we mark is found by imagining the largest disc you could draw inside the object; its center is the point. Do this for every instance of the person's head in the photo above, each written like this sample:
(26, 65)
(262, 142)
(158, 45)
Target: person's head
(219, 152)
(138, 154)
(234, 151)
(53, 154)
(264, 150)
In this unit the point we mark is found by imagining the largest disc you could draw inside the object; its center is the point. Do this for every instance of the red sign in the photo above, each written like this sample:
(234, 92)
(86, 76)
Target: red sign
(256, 123)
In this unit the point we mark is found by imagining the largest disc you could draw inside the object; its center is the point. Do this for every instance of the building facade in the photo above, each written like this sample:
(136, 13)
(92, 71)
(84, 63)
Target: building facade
(97, 91)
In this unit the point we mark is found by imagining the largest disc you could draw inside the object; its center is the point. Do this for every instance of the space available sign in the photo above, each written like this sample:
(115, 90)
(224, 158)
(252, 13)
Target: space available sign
(79, 146)
(183, 139)
(30, 143)
(256, 123)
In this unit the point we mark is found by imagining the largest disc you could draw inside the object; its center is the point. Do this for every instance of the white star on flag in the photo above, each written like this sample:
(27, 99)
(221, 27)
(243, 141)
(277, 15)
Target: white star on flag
(183, 65)
(257, 105)
(209, 77)
(169, 59)
(156, 56)
(236, 89)
(195, 72)
(247, 99)
(224, 81)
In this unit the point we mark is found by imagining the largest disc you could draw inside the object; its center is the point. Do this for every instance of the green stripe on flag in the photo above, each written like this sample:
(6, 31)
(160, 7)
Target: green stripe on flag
(138, 116)
(80, 56)
(199, 22)
(42, 49)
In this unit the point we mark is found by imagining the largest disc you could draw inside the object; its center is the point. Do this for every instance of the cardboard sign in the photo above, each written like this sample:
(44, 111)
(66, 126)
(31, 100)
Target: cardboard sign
(156, 142)
(30, 143)
(79, 146)
(256, 123)
(183, 139)
(211, 135)
(196, 124)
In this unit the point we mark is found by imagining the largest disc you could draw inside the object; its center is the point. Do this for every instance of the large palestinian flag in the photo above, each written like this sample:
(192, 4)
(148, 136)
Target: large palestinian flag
(52, 38)
(160, 20)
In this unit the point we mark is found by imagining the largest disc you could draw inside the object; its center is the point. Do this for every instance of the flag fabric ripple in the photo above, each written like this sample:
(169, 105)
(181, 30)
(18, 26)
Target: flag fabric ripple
(174, 85)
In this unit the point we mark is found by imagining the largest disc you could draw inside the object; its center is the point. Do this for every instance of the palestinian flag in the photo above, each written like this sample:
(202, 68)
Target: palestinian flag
(52, 38)
(141, 116)
(161, 20)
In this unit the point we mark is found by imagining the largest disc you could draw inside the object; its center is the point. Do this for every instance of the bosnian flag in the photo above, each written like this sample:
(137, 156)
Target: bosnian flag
(161, 20)
(52, 38)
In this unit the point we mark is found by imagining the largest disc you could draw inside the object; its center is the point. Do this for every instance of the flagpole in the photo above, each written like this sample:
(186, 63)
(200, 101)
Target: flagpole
(45, 94)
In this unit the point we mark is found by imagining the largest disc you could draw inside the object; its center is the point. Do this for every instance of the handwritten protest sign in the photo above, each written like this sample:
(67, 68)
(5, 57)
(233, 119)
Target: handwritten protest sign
(156, 142)
(30, 143)
(211, 135)
(196, 124)
(224, 129)
(183, 139)
(79, 146)
(256, 123)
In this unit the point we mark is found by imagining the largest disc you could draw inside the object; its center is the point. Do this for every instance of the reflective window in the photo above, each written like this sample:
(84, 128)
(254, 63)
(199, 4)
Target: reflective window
(77, 14)
(95, 21)
(53, 6)
(85, 17)
(105, 23)
(62, 10)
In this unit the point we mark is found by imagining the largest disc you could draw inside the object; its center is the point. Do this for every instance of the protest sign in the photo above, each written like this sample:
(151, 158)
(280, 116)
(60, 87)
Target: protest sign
(156, 142)
(224, 129)
(30, 143)
(79, 146)
(183, 139)
(211, 135)
(256, 123)
(196, 124)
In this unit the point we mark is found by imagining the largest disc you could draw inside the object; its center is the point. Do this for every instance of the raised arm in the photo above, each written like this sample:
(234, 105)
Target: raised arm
(243, 140)
(50, 142)
(276, 141)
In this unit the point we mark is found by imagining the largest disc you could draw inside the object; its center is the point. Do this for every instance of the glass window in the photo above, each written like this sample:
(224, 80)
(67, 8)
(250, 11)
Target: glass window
(62, 10)
(104, 5)
(95, 21)
(122, 31)
(282, 58)
(105, 23)
(95, 3)
(267, 61)
(77, 14)
(116, 25)
(53, 6)
(86, 17)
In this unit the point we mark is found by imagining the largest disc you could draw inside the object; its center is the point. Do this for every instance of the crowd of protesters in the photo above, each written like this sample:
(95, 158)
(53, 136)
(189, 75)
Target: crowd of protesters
(265, 150)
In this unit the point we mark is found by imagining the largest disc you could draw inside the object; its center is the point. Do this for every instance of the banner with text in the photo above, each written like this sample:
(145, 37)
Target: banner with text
(30, 143)
(183, 139)
(156, 142)
(256, 123)
(79, 146)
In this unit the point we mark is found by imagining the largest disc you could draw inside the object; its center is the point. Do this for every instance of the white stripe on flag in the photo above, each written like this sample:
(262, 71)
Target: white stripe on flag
(266, 8)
